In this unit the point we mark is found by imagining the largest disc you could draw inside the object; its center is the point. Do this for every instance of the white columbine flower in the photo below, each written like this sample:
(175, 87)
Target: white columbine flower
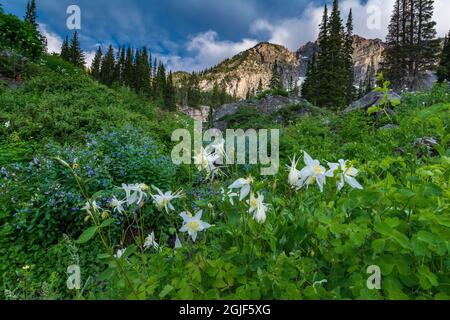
(7, 124)
(117, 205)
(150, 241)
(205, 161)
(313, 173)
(228, 195)
(193, 225)
(163, 200)
(244, 185)
(119, 253)
(258, 208)
(294, 174)
(218, 148)
(91, 207)
(135, 193)
(346, 175)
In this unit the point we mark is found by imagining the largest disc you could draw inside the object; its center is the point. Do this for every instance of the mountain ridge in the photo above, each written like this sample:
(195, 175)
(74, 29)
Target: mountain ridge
(243, 72)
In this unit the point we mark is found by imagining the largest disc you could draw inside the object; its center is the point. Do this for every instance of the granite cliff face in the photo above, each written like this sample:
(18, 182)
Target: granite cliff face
(365, 53)
(243, 72)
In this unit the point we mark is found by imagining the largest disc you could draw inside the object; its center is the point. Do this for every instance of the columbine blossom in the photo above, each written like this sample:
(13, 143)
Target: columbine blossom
(117, 205)
(228, 195)
(345, 175)
(7, 124)
(163, 200)
(244, 185)
(258, 208)
(294, 174)
(119, 253)
(91, 207)
(313, 173)
(218, 148)
(135, 193)
(193, 225)
(205, 161)
(150, 241)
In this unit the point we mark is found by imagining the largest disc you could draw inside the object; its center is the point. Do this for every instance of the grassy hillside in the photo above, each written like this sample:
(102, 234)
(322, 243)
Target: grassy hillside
(59, 103)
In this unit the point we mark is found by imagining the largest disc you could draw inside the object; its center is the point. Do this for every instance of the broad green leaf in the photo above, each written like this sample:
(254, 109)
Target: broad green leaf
(87, 235)
(107, 223)
(373, 110)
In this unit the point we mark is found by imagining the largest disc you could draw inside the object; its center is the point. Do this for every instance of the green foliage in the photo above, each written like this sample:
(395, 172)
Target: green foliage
(20, 35)
(385, 104)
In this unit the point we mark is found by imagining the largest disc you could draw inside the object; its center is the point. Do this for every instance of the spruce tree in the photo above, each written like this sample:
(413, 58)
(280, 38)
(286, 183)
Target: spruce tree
(169, 99)
(316, 87)
(275, 81)
(30, 15)
(412, 47)
(335, 74)
(348, 60)
(107, 68)
(65, 50)
(443, 72)
(96, 64)
(128, 68)
(76, 54)
(310, 83)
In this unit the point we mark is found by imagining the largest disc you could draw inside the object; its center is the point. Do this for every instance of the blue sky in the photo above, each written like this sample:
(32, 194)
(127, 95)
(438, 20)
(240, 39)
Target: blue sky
(195, 34)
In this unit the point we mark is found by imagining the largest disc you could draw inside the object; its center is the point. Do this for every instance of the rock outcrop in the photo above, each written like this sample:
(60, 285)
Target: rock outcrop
(245, 71)
(369, 100)
(269, 105)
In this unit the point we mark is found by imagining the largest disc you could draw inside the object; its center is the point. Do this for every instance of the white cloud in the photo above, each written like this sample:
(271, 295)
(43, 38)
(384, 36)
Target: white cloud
(207, 50)
(371, 20)
(54, 41)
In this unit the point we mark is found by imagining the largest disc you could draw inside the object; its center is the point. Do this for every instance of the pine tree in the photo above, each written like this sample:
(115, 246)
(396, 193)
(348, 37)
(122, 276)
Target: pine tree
(30, 15)
(65, 50)
(348, 60)
(443, 72)
(96, 64)
(145, 72)
(128, 68)
(169, 99)
(76, 54)
(107, 68)
(335, 73)
(315, 85)
(260, 86)
(310, 83)
(412, 47)
(275, 81)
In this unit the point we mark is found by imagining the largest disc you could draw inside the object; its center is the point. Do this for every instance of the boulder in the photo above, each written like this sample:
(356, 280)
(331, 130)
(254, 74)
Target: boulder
(371, 99)
(268, 105)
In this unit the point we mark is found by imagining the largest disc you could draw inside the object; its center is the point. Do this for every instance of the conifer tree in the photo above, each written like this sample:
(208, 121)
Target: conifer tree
(128, 68)
(76, 54)
(443, 72)
(96, 64)
(30, 15)
(260, 86)
(169, 100)
(348, 60)
(310, 83)
(107, 68)
(65, 50)
(275, 81)
(412, 47)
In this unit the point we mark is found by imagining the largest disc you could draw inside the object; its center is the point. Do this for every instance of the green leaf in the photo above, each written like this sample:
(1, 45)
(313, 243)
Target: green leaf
(165, 291)
(395, 102)
(87, 235)
(427, 279)
(373, 110)
(107, 223)
(378, 245)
